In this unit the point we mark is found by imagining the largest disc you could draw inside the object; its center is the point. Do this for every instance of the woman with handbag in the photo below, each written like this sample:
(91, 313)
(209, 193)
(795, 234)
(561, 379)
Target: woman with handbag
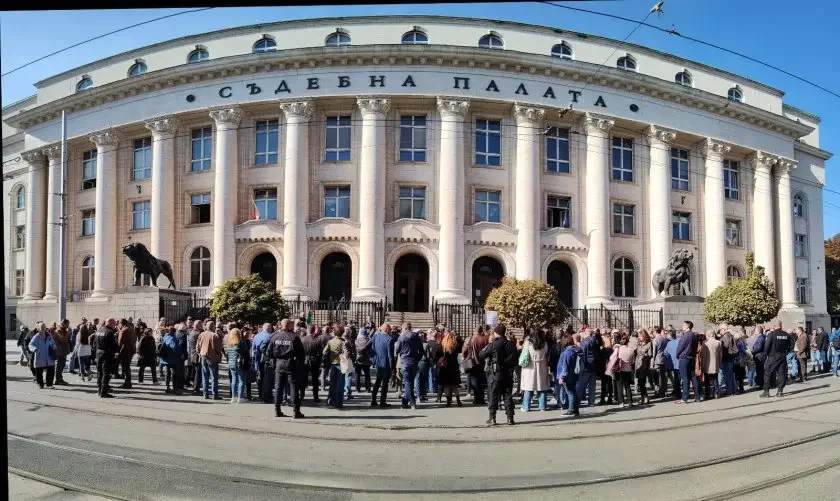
(606, 379)
(43, 350)
(625, 362)
(644, 354)
(236, 351)
(534, 363)
(449, 373)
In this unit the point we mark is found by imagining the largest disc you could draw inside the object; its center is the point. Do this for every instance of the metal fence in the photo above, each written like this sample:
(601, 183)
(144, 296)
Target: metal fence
(178, 308)
(319, 312)
(461, 318)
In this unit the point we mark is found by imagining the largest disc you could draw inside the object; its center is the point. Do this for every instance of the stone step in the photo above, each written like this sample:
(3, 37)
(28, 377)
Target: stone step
(418, 320)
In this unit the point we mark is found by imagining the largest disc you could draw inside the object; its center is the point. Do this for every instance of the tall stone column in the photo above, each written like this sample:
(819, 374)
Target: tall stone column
(225, 193)
(163, 187)
(36, 224)
(372, 192)
(53, 249)
(528, 193)
(765, 250)
(597, 130)
(715, 234)
(659, 199)
(787, 261)
(296, 196)
(453, 114)
(105, 246)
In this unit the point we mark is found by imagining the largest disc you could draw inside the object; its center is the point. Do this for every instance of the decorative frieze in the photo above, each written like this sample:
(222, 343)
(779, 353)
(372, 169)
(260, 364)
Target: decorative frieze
(762, 161)
(163, 125)
(714, 148)
(657, 133)
(34, 157)
(528, 114)
(379, 105)
(227, 116)
(591, 123)
(105, 138)
(298, 109)
(453, 106)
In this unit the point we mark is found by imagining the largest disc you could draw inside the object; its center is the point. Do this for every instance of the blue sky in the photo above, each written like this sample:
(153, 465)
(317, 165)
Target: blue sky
(800, 37)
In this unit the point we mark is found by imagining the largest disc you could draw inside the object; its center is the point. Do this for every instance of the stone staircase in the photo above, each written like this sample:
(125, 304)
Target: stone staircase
(418, 320)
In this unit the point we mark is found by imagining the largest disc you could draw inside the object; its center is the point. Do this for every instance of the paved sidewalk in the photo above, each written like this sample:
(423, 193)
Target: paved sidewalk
(12, 352)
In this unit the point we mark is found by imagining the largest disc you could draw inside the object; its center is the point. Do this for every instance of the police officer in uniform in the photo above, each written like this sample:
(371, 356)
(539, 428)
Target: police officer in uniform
(776, 347)
(286, 351)
(107, 350)
(501, 359)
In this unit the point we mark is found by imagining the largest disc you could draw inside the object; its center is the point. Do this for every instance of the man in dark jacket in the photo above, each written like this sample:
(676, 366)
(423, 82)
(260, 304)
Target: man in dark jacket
(476, 377)
(311, 368)
(686, 357)
(410, 349)
(107, 350)
(500, 357)
(758, 356)
(776, 347)
(194, 366)
(589, 355)
(62, 349)
(382, 357)
(434, 352)
(729, 350)
(363, 359)
(822, 349)
(127, 341)
(146, 356)
(286, 350)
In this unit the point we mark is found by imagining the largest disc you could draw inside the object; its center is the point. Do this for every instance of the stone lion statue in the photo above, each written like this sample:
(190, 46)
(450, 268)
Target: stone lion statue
(677, 272)
(146, 264)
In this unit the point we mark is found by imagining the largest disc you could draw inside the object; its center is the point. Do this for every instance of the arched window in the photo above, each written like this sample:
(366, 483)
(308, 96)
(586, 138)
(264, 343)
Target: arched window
(338, 39)
(198, 55)
(799, 205)
(733, 273)
(415, 37)
(265, 44)
(735, 94)
(200, 267)
(626, 63)
(562, 50)
(137, 69)
(683, 78)
(491, 41)
(88, 271)
(624, 278)
(84, 84)
(20, 198)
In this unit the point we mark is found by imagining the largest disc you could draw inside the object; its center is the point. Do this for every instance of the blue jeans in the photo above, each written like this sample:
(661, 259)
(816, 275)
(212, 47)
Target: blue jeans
(421, 380)
(559, 395)
(348, 384)
(586, 383)
(433, 375)
(542, 396)
(686, 372)
(236, 383)
(794, 366)
(210, 373)
(569, 388)
(409, 375)
(335, 397)
(835, 361)
(751, 376)
(728, 370)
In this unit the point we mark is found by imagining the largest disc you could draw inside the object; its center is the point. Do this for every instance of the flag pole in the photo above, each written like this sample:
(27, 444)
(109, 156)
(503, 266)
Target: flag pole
(62, 255)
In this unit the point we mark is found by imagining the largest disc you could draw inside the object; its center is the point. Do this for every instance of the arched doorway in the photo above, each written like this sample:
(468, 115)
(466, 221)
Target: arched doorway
(487, 273)
(336, 277)
(411, 283)
(560, 277)
(265, 265)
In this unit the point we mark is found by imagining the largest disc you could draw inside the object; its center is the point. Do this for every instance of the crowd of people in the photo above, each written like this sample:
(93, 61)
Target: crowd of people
(493, 366)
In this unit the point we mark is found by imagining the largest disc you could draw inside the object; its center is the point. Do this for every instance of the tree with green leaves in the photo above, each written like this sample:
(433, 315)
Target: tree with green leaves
(526, 304)
(832, 273)
(747, 301)
(248, 299)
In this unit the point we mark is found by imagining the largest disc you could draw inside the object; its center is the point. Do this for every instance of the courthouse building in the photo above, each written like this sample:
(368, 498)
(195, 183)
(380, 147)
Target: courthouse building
(409, 158)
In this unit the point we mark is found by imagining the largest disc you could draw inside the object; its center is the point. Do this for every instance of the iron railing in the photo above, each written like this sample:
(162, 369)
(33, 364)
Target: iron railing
(176, 308)
(461, 318)
(319, 312)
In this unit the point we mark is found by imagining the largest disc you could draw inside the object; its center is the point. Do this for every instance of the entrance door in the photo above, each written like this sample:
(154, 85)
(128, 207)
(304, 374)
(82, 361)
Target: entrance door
(336, 277)
(265, 265)
(411, 283)
(560, 277)
(487, 274)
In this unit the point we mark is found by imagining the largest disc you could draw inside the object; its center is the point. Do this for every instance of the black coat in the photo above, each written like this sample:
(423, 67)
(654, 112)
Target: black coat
(450, 373)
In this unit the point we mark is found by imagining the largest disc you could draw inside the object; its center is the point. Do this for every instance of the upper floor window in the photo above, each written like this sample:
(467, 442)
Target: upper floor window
(338, 39)
(265, 204)
(20, 198)
(733, 233)
(88, 222)
(202, 148)
(557, 150)
(412, 203)
(624, 219)
(802, 290)
(562, 50)
(142, 159)
(415, 37)
(679, 169)
(559, 212)
(337, 201)
(624, 278)
(137, 69)
(733, 273)
(735, 94)
(731, 181)
(488, 206)
(84, 84)
(19, 282)
(491, 41)
(265, 44)
(267, 142)
(800, 245)
(200, 267)
(413, 138)
(20, 237)
(684, 78)
(198, 55)
(141, 213)
(681, 225)
(622, 159)
(200, 208)
(488, 142)
(626, 63)
(798, 205)
(89, 170)
(88, 273)
(338, 139)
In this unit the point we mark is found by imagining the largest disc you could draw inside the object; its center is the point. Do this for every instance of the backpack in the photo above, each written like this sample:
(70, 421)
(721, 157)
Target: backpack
(836, 342)
(733, 346)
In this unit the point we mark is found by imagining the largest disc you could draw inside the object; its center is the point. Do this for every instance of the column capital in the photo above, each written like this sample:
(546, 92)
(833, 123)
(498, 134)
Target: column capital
(52, 151)
(762, 161)
(105, 138)
(227, 116)
(453, 106)
(163, 125)
(525, 113)
(662, 134)
(715, 148)
(591, 123)
(785, 165)
(379, 105)
(301, 110)
(34, 157)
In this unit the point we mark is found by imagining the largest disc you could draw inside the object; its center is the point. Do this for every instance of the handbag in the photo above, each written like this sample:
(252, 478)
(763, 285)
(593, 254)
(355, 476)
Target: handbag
(524, 357)
(613, 365)
(346, 364)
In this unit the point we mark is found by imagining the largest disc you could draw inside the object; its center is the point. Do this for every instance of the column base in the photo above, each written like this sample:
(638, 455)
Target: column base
(369, 294)
(102, 295)
(293, 292)
(452, 296)
(50, 297)
(32, 297)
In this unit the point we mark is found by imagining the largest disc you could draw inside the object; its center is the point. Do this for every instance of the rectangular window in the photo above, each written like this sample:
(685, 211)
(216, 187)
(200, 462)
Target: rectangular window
(337, 201)
(733, 233)
(202, 149)
(622, 159)
(488, 142)
(557, 150)
(265, 202)
(142, 159)
(88, 223)
(20, 237)
(624, 219)
(267, 140)
(338, 139)
(412, 203)
(89, 170)
(679, 169)
(413, 138)
(731, 182)
(559, 212)
(19, 282)
(681, 225)
(488, 206)
(141, 213)
(802, 290)
(200, 208)
(799, 246)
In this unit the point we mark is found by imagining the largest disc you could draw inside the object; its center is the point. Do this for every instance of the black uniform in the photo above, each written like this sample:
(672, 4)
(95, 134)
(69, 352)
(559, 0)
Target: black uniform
(501, 360)
(107, 348)
(312, 354)
(286, 351)
(776, 347)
